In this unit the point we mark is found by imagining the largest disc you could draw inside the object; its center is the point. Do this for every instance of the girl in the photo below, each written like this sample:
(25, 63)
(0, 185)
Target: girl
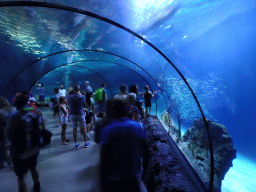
(63, 119)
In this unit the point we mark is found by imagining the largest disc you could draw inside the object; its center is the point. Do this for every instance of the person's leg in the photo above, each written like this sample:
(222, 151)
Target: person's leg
(82, 131)
(149, 110)
(63, 132)
(146, 111)
(22, 186)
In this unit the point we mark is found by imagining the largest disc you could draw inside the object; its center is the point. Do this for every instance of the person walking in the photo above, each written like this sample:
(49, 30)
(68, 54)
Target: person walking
(77, 114)
(123, 143)
(6, 110)
(24, 134)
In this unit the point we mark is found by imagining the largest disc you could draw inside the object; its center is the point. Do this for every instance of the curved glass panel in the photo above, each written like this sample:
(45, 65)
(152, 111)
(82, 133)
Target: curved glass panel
(212, 43)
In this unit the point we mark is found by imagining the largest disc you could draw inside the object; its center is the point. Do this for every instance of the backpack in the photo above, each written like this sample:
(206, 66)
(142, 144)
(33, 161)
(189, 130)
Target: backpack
(98, 94)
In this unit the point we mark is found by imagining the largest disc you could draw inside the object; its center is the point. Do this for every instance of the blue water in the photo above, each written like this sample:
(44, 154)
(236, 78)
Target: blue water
(213, 43)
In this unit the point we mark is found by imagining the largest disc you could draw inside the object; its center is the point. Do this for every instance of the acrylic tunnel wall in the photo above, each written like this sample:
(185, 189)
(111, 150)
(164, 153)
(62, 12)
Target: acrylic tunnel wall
(46, 43)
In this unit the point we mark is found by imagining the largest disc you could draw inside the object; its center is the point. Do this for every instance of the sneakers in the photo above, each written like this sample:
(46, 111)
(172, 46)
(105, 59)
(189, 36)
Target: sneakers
(86, 145)
(67, 140)
(77, 146)
(64, 143)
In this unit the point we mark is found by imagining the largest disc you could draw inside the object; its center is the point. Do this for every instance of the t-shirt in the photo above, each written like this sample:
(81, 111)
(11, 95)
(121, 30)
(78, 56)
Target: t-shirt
(123, 144)
(24, 133)
(76, 104)
(131, 110)
(121, 97)
(62, 92)
(41, 90)
(88, 89)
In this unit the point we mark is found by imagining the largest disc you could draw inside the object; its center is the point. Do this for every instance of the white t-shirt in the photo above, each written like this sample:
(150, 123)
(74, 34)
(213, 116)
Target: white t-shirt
(121, 97)
(62, 92)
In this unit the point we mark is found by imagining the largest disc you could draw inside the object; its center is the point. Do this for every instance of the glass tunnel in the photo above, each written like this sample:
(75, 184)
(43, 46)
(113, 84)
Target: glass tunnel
(199, 55)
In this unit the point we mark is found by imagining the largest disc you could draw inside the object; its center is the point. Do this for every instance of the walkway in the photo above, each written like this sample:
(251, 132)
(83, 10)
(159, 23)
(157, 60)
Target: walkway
(61, 168)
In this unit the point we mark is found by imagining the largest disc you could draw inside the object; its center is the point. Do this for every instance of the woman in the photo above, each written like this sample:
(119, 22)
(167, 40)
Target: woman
(6, 110)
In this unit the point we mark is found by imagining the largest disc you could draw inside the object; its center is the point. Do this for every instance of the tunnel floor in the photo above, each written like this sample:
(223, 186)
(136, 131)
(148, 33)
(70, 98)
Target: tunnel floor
(63, 168)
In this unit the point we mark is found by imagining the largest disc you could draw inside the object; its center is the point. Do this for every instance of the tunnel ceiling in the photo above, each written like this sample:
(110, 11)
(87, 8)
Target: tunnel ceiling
(32, 32)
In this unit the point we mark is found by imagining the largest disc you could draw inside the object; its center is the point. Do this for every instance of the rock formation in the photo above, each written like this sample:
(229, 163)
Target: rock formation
(198, 154)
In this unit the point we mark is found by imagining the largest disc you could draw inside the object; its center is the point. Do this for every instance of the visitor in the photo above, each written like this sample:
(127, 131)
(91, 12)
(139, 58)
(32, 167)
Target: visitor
(89, 104)
(6, 110)
(41, 90)
(100, 98)
(123, 93)
(132, 111)
(32, 103)
(122, 146)
(62, 92)
(135, 89)
(147, 95)
(63, 119)
(88, 88)
(24, 134)
(77, 115)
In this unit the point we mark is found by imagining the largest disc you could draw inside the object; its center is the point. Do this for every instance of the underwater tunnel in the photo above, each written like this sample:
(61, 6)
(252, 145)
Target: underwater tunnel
(191, 51)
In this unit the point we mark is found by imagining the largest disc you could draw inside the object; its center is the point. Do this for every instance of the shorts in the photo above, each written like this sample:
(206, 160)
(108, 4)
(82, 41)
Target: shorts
(89, 118)
(41, 98)
(21, 166)
(78, 119)
(101, 107)
(64, 119)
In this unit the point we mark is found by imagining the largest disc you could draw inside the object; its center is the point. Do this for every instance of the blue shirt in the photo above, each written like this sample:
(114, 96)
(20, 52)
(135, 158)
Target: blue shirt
(76, 103)
(88, 89)
(41, 90)
(123, 143)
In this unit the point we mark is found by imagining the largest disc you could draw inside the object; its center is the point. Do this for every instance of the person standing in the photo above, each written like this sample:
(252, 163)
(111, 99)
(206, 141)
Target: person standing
(100, 98)
(62, 92)
(123, 143)
(77, 114)
(123, 93)
(24, 134)
(41, 90)
(63, 119)
(88, 88)
(148, 95)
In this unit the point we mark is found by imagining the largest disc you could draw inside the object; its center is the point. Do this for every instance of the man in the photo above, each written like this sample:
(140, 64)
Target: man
(88, 88)
(77, 114)
(123, 93)
(100, 97)
(24, 134)
(41, 90)
(122, 146)
(62, 92)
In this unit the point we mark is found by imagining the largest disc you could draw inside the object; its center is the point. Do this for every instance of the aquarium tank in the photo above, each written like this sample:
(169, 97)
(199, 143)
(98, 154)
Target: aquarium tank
(199, 56)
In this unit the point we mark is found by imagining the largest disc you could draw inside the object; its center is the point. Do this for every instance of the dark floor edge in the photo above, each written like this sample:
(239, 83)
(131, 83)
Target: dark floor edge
(190, 170)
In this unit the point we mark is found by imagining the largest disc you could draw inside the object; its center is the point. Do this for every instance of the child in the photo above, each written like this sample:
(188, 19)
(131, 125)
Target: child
(63, 119)
(147, 97)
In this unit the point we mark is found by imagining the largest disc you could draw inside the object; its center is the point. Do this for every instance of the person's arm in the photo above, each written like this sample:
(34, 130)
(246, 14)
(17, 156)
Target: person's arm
(62, 109)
